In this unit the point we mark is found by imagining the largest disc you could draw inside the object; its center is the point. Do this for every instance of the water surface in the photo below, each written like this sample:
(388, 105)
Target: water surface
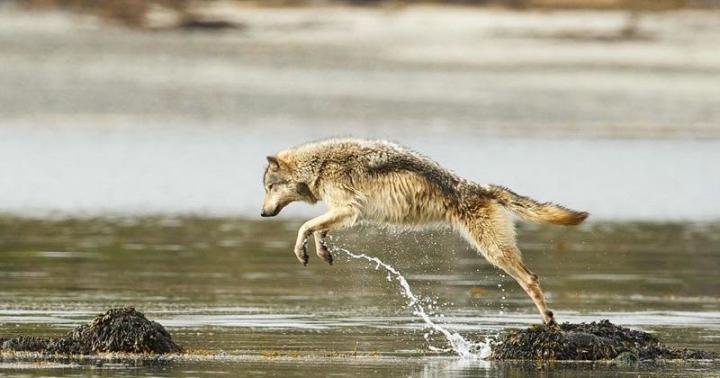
(231, 292)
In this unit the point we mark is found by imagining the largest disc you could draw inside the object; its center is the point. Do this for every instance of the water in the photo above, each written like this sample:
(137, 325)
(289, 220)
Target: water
(173, 170)
(457, 343)
(231, 291)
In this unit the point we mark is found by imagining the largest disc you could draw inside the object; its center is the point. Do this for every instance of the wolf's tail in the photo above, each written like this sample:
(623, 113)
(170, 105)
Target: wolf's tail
(531, 210)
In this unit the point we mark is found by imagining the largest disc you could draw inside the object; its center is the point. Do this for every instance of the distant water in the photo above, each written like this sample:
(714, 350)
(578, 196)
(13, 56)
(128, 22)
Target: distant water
(176, 170)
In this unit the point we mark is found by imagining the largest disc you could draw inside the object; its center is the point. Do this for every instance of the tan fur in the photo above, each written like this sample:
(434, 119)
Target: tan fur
(381, 182)
(529, 209)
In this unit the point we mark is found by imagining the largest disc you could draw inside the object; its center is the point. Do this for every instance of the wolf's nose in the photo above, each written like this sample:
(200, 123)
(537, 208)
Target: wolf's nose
(263, 213)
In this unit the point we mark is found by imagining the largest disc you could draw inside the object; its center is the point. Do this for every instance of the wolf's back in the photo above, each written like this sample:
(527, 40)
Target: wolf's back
(531, 210)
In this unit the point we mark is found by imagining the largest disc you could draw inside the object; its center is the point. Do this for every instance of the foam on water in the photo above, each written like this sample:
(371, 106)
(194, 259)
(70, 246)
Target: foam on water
(459, 345)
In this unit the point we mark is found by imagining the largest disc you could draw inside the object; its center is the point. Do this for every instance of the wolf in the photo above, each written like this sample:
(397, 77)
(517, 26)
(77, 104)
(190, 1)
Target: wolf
(381, 182)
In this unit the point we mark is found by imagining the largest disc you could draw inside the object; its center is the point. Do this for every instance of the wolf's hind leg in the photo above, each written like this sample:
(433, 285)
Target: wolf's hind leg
(530, 283)
(494, 237)
(321, 246)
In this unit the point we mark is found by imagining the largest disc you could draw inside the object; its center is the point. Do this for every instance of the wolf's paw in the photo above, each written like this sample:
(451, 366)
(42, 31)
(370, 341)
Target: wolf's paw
(324, 253)
(301, 252)
(550, 320)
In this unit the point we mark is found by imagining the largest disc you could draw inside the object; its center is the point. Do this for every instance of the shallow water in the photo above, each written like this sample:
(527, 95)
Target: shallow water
(231, 291)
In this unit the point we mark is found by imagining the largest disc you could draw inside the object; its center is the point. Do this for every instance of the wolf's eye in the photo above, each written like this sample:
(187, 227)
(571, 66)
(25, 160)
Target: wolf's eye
(271, 186)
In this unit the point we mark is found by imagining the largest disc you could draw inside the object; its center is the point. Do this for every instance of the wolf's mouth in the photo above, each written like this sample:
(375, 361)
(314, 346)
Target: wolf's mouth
(264, 213)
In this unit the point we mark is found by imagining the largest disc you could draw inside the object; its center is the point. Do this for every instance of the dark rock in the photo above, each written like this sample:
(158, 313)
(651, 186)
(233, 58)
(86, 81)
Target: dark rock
(117, 330)
(190, 23)
(587, 341)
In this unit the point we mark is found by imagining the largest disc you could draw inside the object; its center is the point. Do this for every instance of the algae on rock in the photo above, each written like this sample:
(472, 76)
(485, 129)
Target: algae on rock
(117, 330)
(587, 341)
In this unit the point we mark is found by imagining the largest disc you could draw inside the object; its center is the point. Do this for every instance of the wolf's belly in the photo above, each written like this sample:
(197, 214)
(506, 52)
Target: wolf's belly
(404, 211)
(403, 198)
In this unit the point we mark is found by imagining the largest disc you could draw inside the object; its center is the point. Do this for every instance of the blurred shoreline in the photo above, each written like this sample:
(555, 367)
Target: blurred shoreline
(474, 70)
(205, 15)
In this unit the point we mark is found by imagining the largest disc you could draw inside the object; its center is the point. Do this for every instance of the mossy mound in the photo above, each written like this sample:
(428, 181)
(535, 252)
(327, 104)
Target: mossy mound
(588, 341)
(117, 330)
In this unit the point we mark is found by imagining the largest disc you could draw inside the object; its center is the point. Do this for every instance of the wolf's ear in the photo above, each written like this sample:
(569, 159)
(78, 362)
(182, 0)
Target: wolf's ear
(273, 162)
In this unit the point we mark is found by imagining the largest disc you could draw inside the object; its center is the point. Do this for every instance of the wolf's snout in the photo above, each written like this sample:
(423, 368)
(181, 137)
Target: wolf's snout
(265, 213)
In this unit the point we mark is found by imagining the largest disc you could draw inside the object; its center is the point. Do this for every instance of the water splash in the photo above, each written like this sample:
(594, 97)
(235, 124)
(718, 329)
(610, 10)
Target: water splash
(459, 345)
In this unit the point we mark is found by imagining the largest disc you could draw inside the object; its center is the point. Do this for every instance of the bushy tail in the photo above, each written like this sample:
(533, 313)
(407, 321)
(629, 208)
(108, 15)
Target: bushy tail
(531, 210)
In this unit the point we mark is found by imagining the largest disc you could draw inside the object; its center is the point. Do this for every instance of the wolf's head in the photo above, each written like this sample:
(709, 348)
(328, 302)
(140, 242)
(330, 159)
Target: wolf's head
(282, 186)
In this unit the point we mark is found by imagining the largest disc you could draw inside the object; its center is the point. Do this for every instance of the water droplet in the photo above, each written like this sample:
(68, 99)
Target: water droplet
(458, 344)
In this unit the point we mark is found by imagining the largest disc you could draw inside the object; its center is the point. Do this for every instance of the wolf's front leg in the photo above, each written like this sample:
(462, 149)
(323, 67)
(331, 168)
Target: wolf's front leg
(332, 220)
(321, 247)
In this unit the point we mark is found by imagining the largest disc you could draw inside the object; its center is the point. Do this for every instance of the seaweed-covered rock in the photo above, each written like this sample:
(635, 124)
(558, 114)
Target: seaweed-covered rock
(587, 341)
(117, 330)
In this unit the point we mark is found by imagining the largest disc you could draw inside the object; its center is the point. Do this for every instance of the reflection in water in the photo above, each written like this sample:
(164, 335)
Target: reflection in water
(232, 290)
